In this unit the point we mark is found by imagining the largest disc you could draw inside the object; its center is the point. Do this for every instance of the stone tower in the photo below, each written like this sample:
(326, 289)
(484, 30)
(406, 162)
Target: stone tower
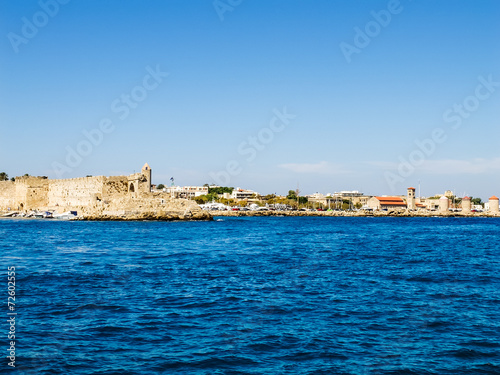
(146, 172)
(444, 203)
(410, 199)
(493, 204)
(466, 205)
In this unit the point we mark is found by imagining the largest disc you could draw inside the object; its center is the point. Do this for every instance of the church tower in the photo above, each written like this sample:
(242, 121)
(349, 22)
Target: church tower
(146, 172)
(410, 198)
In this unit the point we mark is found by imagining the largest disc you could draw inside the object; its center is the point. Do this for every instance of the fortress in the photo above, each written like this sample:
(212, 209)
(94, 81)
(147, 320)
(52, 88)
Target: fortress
(100, 197)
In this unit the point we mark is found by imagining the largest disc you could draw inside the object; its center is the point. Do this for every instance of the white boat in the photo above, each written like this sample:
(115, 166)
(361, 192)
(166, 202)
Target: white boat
(43, 215)
(214, 207)
(69, 215)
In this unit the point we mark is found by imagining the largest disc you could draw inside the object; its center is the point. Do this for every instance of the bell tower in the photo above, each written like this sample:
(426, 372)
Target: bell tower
(146, 172)
(410, 199)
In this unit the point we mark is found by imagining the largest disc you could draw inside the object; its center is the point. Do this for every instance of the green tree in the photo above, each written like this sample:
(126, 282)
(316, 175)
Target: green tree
(476, 201)
(303, 200)
(160, 187)
(220, 190)
(4, 176)
(201, 199)
(292, 195)
(13, 179)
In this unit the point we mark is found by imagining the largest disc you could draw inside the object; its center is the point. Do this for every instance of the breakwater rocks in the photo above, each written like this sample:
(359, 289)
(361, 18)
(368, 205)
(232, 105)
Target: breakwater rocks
(396, 213)
(145, 207)
(138, 215)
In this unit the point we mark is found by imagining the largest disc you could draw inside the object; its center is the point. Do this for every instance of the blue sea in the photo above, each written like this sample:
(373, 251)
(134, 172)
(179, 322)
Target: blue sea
(257, 295)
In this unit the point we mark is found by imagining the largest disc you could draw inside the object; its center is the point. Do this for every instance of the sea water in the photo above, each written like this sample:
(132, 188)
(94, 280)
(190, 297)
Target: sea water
(259, 295)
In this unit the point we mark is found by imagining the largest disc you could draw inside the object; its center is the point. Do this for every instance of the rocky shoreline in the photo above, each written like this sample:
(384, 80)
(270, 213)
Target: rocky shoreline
(148, 216)
(399, 213)
(195, 214)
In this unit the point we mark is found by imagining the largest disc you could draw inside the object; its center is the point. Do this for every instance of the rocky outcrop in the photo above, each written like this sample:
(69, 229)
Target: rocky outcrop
(144, 206)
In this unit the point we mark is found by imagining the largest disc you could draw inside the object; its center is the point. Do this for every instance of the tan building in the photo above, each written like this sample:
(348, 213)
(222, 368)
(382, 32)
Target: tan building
(466, 205)
(493, 203)
(444, 204)
(410, 199)
(354, 196)
(386, 203)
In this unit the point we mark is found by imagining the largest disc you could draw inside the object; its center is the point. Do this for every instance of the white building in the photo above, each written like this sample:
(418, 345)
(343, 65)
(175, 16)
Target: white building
(186, 191)
(240, 193)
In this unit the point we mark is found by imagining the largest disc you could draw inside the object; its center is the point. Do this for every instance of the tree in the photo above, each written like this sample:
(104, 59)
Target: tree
(303, 200)
(4, 176)
(160, 187)
(220, 190)
(13, 179)
(292, 195)
(346, 204)
(268, 197)
(201, 199)
(476, 201)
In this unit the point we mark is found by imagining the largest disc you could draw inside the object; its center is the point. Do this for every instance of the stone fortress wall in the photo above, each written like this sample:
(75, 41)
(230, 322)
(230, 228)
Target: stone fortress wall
(7, 195)
(39, 193)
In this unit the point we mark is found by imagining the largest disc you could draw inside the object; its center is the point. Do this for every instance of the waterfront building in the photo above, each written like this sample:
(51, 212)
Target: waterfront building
(354, 196)
(466, 205)
(240, 193)
(444, 204)
(386, 203)
(493, 204)
(410, 199)
(186, 191)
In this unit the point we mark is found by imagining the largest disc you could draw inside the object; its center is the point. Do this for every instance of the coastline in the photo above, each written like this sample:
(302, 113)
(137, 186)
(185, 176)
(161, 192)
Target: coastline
(202, 215)
(405, 213)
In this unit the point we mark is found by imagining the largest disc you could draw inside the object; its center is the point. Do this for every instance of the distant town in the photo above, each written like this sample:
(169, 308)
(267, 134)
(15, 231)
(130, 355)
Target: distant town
(214, 197)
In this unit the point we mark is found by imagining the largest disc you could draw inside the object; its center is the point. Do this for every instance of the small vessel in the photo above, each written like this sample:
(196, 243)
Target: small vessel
(69, 215)
(43, 215)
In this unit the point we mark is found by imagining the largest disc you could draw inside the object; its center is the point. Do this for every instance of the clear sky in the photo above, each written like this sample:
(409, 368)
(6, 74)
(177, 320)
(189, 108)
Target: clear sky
(262, 94)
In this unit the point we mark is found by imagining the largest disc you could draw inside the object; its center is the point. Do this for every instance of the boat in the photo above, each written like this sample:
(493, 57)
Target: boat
(43, 215)
(69, 215)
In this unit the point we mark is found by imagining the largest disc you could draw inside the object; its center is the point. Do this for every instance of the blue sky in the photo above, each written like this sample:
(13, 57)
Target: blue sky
(352, 118)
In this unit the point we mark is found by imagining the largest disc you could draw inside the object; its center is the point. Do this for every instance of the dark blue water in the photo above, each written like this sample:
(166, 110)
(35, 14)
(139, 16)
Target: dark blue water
(255, 296)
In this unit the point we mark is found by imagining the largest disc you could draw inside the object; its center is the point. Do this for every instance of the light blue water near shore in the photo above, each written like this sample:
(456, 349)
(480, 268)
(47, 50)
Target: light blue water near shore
(260, 295)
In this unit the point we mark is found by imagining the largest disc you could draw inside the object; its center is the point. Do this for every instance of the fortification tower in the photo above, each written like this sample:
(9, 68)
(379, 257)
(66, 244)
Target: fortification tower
(466, 205)
(146, 172)
(410, 198)
(444, 203)
(493, 204)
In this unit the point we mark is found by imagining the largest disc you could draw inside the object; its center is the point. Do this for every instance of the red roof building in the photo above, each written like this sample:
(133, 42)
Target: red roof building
(380, 203)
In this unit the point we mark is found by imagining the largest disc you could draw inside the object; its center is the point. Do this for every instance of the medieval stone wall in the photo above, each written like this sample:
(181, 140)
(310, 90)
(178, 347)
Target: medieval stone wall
(7, 195)
(39, 193)
(74, 192)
